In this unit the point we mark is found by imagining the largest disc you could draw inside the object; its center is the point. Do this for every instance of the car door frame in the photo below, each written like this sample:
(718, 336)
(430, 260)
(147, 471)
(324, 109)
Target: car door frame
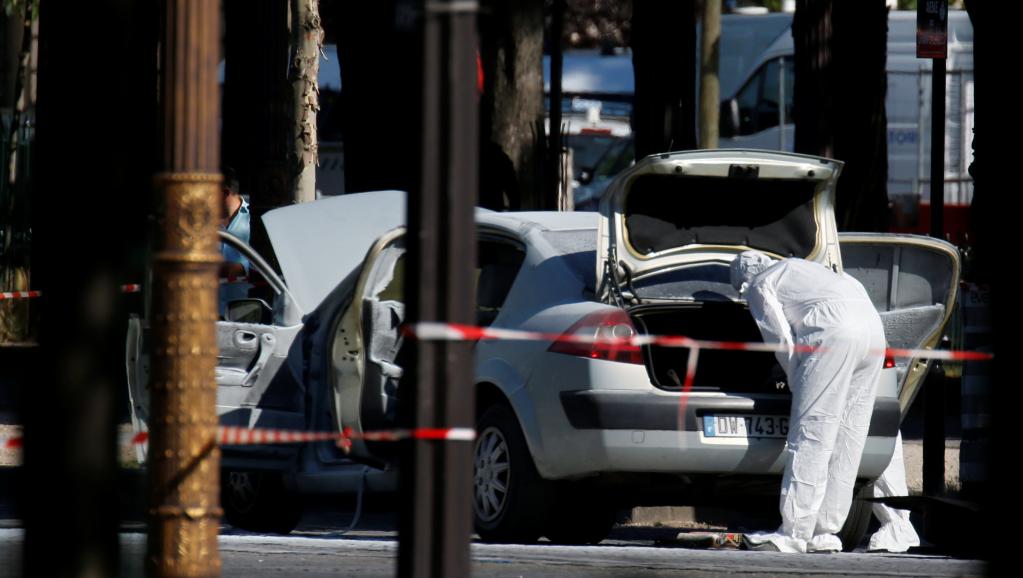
(284, 329)
(917, 368)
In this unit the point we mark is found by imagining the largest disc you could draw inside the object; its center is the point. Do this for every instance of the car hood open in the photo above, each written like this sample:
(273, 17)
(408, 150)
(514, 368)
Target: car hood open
(319, 243)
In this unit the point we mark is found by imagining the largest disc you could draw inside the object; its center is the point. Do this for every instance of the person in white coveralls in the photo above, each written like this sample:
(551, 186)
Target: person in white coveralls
(801, 303)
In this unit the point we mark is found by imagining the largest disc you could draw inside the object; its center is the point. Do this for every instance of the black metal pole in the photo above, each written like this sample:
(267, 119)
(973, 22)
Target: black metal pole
(938, 149)
(934, 433)
(934, 410)
(436, 476)
(554, 145)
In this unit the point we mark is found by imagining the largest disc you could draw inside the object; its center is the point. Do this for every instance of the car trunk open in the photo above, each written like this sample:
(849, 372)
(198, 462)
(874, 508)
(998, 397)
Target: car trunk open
(681, 209)
(726, 371)
(773, 215)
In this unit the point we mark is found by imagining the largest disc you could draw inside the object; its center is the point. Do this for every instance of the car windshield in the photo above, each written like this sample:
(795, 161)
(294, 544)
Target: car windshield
(616, 159)
(587, 149)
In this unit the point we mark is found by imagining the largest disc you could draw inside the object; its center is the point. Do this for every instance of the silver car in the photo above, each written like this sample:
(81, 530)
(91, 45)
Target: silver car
(568, 433)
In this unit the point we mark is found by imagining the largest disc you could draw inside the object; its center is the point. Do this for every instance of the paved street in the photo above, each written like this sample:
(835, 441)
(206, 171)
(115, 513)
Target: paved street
(321, 547)
(371, 554)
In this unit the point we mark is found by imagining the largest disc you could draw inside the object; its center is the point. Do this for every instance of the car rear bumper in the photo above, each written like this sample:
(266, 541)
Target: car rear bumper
(631, 410)
(634, 431)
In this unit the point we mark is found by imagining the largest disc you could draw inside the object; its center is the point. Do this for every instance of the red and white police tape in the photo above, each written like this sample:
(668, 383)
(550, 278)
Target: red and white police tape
(432, 331)
(130, 288)
(19, 295)
(236, 435)
(240, 436)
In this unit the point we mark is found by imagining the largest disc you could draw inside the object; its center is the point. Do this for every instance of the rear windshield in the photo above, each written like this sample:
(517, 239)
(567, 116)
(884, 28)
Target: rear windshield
(665, 212)
(577, 251)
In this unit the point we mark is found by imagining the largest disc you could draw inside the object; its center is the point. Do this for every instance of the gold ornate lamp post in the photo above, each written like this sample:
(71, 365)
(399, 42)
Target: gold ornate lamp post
(184, 458)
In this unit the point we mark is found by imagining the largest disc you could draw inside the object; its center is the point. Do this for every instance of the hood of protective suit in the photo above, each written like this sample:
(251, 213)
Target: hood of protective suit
(746, 266)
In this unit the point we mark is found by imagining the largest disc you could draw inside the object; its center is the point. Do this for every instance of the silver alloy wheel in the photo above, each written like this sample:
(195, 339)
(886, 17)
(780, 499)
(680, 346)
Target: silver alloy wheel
(492, 472)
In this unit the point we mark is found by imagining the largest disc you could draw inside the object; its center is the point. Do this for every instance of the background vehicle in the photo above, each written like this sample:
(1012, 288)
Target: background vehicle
(598, 88)
(751, 118)
(756, 73)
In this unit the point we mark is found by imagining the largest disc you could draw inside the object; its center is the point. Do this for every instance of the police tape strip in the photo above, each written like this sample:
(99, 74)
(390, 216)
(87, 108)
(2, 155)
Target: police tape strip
(129, 288)
(432, 331)
(240, 436)
(19, 295)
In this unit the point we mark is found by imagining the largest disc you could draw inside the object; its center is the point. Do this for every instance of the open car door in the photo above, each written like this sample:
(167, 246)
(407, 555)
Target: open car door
(255, 387)
(364, 345)
(913, 282)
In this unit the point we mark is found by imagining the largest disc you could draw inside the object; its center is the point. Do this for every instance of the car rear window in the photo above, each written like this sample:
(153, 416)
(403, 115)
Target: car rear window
(577, 250)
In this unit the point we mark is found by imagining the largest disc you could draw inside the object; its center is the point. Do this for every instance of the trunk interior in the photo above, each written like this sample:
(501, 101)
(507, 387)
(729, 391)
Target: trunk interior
(726, 371)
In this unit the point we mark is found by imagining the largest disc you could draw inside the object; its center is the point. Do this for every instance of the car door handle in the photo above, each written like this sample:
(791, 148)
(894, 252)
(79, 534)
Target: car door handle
(246, 340)
(266, 349)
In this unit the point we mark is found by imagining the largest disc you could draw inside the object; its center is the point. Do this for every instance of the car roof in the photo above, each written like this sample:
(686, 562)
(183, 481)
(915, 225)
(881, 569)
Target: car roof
(319, 243)
(546, 220)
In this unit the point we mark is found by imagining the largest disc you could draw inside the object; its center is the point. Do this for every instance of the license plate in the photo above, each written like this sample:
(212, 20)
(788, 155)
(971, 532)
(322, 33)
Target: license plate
(745, 426)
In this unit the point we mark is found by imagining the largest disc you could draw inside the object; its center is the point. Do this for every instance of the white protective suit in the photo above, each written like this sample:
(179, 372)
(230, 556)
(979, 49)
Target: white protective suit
(896, 533)
(799, 302)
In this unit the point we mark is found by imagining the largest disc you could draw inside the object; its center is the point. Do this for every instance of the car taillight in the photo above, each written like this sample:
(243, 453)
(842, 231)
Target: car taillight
(889, 361)
(614, 328)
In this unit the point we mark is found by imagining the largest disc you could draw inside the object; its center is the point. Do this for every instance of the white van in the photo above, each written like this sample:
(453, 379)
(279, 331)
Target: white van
(751, 117)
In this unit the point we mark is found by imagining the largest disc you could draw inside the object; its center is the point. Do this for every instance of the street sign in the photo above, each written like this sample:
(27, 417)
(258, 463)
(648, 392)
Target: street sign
(932, 29)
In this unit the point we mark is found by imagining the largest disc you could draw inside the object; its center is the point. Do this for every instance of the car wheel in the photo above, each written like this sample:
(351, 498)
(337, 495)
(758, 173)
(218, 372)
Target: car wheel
(509, 497)
(858, 520)
(579, 517)
(259, 502)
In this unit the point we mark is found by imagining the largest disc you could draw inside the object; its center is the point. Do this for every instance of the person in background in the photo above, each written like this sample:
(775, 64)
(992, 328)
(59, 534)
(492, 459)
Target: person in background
(235, 220)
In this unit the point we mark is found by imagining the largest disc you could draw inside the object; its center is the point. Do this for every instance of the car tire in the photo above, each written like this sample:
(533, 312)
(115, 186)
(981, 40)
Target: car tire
(858, 520)
(510, 499)
(579, 517)
(259, 502)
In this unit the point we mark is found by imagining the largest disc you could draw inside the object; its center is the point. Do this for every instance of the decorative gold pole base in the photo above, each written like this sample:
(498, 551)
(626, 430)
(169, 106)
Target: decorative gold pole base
(184, 459)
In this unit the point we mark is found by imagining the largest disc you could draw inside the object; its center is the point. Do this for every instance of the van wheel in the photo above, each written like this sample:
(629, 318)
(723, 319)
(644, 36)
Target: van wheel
(259, 502)
(510, 499)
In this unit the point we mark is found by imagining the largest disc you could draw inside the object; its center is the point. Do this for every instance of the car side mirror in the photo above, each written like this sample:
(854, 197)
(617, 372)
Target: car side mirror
(728, 118)
(249, 311)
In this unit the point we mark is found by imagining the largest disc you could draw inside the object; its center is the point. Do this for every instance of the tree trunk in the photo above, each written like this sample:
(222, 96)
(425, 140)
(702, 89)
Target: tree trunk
(558, 183)
(710, 85)
(380, 53)
(982, 207)
(512, 106)
(840, 86)
(14, 274)
(664, 38)
(813, 95)
(306, 42)
(257, 133)
(20, 94)
(94, 157)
